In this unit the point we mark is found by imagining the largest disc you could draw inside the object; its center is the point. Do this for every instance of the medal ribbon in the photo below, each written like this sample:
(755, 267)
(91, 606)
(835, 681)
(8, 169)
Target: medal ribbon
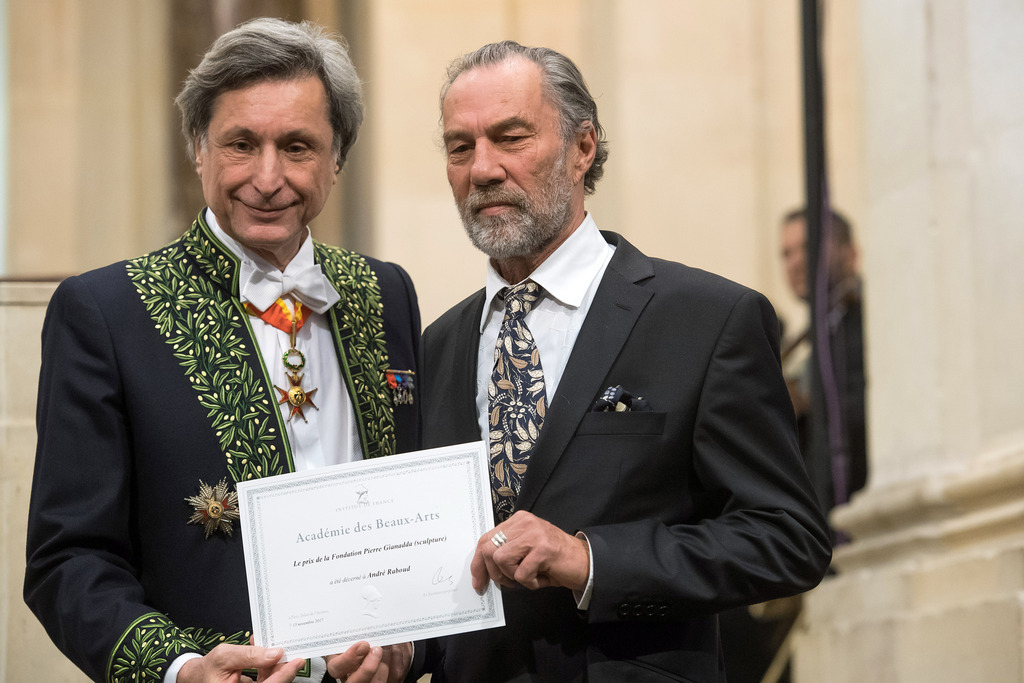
(280, 315)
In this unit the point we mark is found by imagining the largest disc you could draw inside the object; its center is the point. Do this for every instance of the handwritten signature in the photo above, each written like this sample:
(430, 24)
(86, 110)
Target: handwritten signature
(440, 577)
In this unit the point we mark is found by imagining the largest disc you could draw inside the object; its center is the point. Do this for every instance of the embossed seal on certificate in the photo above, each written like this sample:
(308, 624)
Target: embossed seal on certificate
(215, 507)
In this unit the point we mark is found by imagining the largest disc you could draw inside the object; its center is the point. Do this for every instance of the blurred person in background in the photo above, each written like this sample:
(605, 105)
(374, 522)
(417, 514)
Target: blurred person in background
(755, 639)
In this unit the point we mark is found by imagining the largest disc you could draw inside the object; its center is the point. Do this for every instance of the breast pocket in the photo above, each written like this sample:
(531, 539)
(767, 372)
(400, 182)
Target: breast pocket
(609, 423)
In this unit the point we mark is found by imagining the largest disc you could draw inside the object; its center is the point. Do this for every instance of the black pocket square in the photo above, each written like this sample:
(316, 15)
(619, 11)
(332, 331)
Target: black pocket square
(618, 400)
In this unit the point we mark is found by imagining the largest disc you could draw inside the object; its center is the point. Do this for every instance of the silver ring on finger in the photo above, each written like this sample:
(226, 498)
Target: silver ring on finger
(499, 539)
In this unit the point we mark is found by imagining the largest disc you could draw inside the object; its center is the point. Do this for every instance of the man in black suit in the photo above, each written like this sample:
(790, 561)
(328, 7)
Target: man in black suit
(243, 349)
(646, 473)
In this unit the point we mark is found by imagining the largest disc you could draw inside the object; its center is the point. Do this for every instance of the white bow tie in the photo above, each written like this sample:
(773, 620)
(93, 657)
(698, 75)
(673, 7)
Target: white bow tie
(307, 284)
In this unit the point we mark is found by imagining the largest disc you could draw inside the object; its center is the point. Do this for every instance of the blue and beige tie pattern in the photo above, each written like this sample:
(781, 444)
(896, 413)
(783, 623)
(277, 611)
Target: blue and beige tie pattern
(516, 399)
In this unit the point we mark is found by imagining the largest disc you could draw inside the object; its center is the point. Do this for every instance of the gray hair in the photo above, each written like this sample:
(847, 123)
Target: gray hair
(563, 86)
(268, 49)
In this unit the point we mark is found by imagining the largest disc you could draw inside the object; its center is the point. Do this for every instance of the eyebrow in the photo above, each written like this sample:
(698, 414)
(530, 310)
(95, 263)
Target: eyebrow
(293, 134)
(502, 125)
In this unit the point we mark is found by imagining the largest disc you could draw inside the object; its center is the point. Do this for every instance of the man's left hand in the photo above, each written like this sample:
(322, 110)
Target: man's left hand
(536, 554)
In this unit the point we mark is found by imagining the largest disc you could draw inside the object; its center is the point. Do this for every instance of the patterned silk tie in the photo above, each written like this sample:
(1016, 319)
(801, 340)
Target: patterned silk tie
(516, 398)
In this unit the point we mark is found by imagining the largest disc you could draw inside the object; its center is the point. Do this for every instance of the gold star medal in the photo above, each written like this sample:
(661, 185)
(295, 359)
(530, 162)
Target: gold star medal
(295, 395)
(280, 316)
(215, 507)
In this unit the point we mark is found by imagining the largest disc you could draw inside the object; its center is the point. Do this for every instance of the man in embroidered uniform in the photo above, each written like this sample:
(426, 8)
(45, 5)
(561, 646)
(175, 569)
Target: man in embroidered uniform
(244, 349)
(645, 464)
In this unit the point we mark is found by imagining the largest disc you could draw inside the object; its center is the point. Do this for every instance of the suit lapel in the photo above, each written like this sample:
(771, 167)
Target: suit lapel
(465, 353)
(616, 307)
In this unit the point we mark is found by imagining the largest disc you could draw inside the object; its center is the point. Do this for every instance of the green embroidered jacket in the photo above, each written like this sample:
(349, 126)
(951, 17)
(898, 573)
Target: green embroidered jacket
(152, 384)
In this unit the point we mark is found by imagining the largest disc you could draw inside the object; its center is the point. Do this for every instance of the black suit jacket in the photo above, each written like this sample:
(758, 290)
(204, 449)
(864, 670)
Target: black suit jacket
(698, 505)
(151, 382)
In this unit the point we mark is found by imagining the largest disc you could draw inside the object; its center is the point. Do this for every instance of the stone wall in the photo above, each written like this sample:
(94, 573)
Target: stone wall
(26, 653)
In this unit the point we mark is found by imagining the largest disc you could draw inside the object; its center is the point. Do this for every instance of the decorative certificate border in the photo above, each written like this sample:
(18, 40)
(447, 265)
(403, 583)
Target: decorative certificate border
(360, 487)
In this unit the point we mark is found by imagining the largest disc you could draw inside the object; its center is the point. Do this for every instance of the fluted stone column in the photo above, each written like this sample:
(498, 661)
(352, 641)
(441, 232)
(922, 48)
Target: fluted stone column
(932, 586)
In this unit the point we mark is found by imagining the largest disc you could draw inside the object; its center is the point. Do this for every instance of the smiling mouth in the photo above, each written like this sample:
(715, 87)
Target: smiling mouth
(266, 211)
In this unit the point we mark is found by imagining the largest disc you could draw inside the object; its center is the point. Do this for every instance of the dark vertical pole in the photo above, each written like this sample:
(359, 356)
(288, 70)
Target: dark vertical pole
(827, 441)
(814, 136)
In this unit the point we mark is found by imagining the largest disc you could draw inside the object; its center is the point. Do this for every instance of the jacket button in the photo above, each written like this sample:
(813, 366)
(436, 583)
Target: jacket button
(652, 610)
(624, 610)
(638, 610)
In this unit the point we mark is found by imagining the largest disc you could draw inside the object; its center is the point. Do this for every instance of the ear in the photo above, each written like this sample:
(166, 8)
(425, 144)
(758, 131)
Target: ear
(584, 149)
(197, 149)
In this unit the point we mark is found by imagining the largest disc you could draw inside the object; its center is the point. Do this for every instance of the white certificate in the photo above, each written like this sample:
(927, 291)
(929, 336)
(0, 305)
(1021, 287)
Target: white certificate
(377, 550)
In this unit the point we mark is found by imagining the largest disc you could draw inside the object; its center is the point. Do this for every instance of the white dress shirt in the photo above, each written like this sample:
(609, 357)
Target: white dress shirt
(327, 436)
(569, 278)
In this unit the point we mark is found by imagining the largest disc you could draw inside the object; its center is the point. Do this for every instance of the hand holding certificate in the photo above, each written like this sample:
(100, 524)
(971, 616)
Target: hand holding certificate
(377, 550)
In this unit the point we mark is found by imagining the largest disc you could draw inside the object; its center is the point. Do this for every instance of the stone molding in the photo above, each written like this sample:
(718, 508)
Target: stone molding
(976, 505)
(26, 291)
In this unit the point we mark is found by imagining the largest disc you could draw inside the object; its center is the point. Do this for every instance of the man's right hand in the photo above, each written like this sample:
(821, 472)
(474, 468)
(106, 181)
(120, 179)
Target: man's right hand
(535, 554)
(224, 664)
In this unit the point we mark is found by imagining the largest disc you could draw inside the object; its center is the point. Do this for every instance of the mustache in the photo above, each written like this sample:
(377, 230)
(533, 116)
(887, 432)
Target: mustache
(479, 198)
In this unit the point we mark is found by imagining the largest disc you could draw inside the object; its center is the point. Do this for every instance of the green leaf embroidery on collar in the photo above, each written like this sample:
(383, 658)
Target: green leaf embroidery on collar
(187, 301)
(360, 332)
(209, 336)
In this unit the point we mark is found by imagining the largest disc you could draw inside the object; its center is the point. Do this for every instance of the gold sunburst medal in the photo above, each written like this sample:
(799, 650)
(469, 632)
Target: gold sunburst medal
(215, 507)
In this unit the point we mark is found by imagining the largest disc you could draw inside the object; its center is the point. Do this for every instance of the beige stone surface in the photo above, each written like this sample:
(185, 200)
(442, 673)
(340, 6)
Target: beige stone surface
(943, 154)
(954, 618)
(89, 115)
(26, 652)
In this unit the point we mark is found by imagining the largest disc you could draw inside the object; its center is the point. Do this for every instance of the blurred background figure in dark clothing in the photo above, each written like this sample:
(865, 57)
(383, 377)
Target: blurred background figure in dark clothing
(754, 639)
(846, 341)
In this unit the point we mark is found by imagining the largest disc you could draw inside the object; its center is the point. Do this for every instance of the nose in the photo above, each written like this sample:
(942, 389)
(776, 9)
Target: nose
(268, 172)
(486, 168)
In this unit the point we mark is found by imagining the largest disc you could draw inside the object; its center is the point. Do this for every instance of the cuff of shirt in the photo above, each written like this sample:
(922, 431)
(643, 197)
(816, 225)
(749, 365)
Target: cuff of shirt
(318, 668)
(583, 599)
(172, 671)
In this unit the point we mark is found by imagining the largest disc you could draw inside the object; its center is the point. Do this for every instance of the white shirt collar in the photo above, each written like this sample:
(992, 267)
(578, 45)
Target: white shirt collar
(324, 295)
(302, 259)
(565, 275)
